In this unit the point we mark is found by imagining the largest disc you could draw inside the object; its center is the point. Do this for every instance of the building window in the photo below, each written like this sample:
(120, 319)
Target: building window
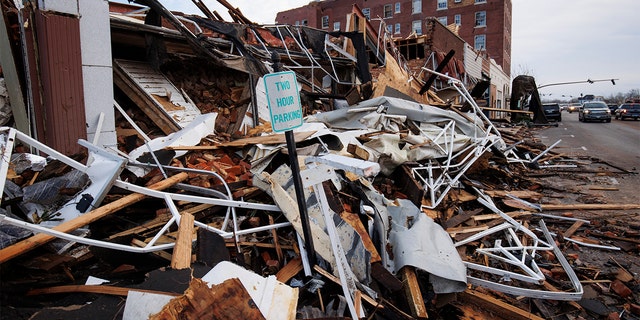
(481, 19)
(457, 1)
(443, 20)
(389, 28)
(325, 22)
(457, 19)
(416, 26)
(297, 23)
(367, 13)
(336, 26)
(388, 11)
(397, 31)
(481, 1)
(305, 22)
(442, 4)
(416, 6)
(397, 7)
(479, 42)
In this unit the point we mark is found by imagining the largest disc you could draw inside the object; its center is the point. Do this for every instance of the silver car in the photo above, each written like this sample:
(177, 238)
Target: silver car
(594, 111)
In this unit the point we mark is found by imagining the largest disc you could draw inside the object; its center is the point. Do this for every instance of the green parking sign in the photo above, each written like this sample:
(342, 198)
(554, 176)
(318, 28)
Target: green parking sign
(284, 100)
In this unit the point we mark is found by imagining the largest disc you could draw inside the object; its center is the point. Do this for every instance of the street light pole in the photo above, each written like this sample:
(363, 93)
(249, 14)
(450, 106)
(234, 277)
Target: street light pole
(613, 81)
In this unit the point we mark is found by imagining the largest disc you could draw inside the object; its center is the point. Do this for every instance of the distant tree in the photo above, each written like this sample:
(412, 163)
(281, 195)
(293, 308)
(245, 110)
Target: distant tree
(633, 93)
(523, 70)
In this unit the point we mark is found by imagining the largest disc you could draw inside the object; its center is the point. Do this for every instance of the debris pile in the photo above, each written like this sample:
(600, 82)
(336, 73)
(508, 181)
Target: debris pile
(378, 206)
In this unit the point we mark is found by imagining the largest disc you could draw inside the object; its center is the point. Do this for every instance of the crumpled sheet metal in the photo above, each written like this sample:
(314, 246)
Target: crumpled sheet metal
(424, 244)
(420, 242)
(350, 118)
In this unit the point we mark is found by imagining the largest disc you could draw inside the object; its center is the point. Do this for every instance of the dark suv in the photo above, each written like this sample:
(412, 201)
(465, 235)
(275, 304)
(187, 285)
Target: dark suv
(552, 111)
(628, 110)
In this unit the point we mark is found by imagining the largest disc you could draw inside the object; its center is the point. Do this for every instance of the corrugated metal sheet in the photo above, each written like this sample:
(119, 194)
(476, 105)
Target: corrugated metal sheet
(61, 76)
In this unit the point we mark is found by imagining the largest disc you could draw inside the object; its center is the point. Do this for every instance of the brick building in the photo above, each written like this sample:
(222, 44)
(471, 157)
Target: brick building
(484, 24)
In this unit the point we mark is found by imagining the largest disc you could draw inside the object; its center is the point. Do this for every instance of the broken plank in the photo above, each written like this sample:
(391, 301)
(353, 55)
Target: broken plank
(573, 228)
(289, 270)
(522, 194)
(181, 258)
(37, 240)
(335, 280)
(454, 231)
(504, 310)
(109, 290)
(515, 214)
(413, 292)
(156, 222)
(590, 206)
(461, 217)
(162, 254)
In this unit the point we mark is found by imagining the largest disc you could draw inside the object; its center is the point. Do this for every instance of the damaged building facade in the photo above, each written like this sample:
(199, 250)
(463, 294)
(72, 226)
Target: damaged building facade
(479, 32)
(148, 172)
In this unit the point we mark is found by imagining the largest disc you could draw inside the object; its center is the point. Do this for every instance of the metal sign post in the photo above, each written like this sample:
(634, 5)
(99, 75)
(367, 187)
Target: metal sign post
(286, 114)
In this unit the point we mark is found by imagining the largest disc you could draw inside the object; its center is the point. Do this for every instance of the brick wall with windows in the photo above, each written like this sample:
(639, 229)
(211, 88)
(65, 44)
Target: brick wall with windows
(405, 13)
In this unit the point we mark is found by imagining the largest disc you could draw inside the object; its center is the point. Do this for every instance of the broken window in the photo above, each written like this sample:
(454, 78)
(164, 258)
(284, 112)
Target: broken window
(416, 26)
(325, 22)
(442, 4)
(416, 6)
(397, 7)
(388, 11)
(367, 13)
(479, 42)
(397, 28)
(336, 26)
(481, 19)
(457, 19)
(443, 20)
(305, 22)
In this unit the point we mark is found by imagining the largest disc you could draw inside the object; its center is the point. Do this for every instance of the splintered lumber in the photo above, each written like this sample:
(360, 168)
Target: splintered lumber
(109, 290)
(37, 240)
(181, 258)
(228, 300)
(590, 206)
(522, 194)
(378, 271)
(289, 270)
(413, 293)
(574, 227)
(504, 310)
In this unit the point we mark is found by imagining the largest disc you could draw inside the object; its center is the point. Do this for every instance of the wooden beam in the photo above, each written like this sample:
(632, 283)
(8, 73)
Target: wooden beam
(573, 228)
(289, 270)
(590, 206)
(181, 258)
(413, 292)
(37, 240)
(109, 290)
(502, 309)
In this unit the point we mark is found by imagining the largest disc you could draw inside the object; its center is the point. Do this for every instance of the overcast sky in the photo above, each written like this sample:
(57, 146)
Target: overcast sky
(553, 40)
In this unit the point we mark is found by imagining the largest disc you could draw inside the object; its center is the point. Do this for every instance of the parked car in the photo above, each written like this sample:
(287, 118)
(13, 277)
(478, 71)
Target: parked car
(595, 110)
(573, 107)
(628, 110)
(552, 111)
